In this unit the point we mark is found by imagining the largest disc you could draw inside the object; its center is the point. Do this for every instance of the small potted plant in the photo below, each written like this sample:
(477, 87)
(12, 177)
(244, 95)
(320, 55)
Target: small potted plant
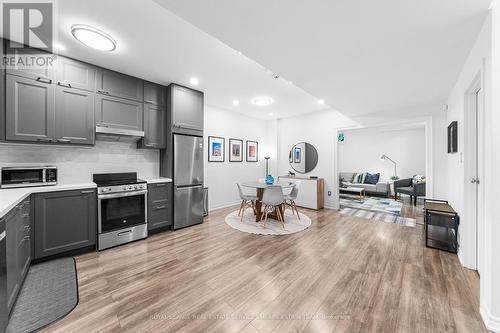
(394, 178)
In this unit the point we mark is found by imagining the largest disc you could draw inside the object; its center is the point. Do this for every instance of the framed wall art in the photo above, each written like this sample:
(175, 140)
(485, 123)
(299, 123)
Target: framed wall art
(215, 149)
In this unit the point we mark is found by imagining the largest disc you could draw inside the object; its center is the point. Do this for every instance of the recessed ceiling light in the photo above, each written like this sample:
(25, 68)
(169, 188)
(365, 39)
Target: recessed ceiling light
(271, 114)
(240, 53)
(194, 81)
(236, 102)
(93, 37)
(290, 82)
(321, 101)
(58, 46)
(262, 101)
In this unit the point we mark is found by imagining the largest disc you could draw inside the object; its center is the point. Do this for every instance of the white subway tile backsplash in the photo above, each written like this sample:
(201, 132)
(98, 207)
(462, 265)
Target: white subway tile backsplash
(77, 164)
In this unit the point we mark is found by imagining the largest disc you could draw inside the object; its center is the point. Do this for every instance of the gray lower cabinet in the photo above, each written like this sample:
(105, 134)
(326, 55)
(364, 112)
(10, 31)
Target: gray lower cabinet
(159, 205)
(75, 74)
(64, 221)
(155, 121)
(29, 110)
(119, 85)
(17, 225)
(118, 113)
(74, 116)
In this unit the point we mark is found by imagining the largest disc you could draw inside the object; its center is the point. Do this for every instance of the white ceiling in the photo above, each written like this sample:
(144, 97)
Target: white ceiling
(159, 46)
(361, 56)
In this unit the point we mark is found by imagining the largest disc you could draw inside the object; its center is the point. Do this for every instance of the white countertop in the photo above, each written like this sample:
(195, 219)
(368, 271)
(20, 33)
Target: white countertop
(159, 180)
(10, 197)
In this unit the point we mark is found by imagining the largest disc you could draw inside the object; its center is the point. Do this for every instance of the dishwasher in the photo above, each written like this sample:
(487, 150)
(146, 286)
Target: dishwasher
(3, 277)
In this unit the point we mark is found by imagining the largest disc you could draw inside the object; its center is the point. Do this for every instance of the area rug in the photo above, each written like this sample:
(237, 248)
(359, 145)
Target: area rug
(49, 293)
(273, 227)
(382, 205)
(378, 216)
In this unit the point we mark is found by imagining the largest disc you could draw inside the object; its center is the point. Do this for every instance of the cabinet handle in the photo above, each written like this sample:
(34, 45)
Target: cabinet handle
(150, 145)
(64, 140)
(149, 101)
(87, 192)
(45, 139)
(161, 207)
(27, 228)
(124, 233)
(26, 238)
(41, 79)
(26, 215)
(103, 92)
(64, 84)
(161, 185)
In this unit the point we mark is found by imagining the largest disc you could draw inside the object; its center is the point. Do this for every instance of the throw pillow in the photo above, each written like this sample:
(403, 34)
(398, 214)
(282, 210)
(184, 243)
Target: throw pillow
(372, 179)
(357, 179)
(418, 179)
(363, 176)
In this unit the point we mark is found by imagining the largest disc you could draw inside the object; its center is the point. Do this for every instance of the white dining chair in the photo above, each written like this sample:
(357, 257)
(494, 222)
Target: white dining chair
(273, 199)
(247, 201)
(290, 199)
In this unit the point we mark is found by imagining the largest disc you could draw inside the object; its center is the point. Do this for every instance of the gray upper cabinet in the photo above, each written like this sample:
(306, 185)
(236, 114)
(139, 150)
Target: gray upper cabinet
(119, 85)
(29, 109)
(118, 113)
(44, 73)
(64, 221)
(187, 110)
(155, 119)
(74, 120)
(75, 74)
(155, 94)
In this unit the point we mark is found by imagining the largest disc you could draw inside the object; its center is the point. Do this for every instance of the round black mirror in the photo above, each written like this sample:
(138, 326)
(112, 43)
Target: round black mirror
(303, 157)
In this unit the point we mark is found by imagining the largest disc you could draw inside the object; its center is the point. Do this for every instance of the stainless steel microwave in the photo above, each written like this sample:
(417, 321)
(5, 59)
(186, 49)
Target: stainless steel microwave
(28, 176)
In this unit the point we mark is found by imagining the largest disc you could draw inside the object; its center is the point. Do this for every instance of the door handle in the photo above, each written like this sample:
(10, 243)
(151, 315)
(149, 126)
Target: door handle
(188, 187)
(474, 180)
(43, 80)
(64, 84)
(124, 233)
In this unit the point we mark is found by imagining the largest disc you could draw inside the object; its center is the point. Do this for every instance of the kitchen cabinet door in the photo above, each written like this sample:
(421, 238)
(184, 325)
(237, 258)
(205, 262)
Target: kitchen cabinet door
(42, 72)
(118, 113)
(155, 120)
(74, 116)
(64, 221)
(155, 94)
(13, 274)
(159, 205)
(119, 85)
(29, 110)
(187, 110)
(75, 74)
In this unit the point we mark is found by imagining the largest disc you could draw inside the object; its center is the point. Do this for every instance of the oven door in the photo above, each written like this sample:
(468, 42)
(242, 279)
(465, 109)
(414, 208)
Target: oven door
(121, 210)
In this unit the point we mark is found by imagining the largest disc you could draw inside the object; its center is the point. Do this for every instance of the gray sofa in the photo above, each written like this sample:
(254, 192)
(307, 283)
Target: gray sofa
(382, 188)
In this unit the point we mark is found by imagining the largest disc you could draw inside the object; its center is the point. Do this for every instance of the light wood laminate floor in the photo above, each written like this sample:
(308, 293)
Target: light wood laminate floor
(344, 274)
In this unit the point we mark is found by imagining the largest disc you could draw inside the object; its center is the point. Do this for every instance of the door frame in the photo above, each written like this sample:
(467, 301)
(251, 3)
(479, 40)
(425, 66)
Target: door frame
(474, 214)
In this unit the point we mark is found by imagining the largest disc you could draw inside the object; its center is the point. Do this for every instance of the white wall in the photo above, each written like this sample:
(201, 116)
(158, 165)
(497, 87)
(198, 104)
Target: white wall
(77, 164)
(362, 148)
(221, 178)
(483, 59)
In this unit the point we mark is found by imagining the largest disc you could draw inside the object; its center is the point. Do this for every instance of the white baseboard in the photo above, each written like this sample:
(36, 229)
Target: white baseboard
(224, 205)
(492, 323)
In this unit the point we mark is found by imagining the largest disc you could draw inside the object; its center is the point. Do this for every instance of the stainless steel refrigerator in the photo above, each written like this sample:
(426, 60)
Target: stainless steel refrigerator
(188, 180)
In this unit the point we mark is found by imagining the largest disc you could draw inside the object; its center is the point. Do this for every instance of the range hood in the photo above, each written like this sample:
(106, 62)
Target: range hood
(117, 134)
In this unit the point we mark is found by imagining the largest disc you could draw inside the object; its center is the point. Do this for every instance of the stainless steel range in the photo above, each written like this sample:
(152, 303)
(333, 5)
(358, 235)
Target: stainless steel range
(122, 209)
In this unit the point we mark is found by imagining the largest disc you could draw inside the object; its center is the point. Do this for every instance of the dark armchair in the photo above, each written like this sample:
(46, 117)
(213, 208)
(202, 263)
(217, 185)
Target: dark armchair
(406, 186)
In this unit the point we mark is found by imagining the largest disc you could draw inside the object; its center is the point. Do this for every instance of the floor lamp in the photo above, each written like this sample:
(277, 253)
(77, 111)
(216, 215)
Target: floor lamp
(385, 157)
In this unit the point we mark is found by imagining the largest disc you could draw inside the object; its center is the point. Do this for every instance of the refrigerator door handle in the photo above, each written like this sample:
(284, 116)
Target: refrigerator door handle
(188, 187)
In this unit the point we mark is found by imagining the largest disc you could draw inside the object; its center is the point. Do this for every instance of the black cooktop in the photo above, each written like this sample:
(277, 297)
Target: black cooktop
(112, 179)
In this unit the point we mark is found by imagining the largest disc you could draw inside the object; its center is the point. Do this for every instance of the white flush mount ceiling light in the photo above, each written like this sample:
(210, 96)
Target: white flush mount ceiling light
(93, 37)
(262, 101)
(194, 81)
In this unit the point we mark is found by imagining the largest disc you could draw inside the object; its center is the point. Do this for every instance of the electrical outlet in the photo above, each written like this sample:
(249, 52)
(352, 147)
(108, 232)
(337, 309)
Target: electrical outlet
(329, 193)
